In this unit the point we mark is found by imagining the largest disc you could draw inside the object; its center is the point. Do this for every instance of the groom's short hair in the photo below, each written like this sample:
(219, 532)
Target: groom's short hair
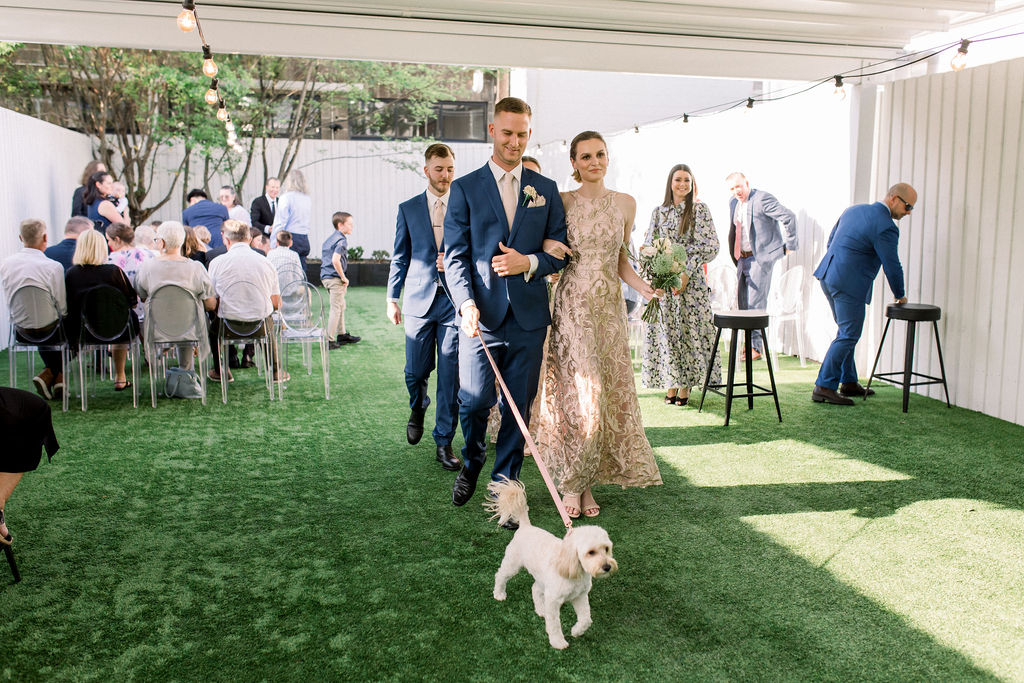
(513, 105)
(438, 149)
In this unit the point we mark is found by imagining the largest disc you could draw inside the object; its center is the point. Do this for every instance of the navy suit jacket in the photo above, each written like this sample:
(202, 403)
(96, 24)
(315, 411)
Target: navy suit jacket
(864, 238)
(767, 241)
(474, 225)
(414, 260)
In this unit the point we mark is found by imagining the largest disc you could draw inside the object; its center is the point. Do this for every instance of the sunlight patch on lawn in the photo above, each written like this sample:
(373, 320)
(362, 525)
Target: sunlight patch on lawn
(771, 462)
(951, 567)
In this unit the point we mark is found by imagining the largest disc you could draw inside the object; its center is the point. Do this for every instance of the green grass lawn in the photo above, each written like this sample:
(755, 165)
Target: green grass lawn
(306, 540)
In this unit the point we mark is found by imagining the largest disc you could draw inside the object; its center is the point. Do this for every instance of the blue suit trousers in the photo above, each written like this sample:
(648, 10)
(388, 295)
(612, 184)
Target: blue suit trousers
(517, 353)
(838, 366)
(426, 339)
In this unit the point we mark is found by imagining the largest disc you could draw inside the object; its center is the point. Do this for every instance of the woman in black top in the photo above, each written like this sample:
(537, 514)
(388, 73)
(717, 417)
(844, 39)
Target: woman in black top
(78, 205)
(91, 270)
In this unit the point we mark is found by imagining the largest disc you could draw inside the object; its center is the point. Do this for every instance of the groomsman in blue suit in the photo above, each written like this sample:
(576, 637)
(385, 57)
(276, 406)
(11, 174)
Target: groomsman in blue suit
(756, 243)
(430, 329)
(497, 221)
(864, 238)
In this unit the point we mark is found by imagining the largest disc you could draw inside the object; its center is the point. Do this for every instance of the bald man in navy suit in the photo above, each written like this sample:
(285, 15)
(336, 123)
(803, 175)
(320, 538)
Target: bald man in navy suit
(864, 238)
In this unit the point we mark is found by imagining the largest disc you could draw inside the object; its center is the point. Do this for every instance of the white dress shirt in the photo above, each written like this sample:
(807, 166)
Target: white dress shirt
(242, 264)
(516, 173)
(29, 266)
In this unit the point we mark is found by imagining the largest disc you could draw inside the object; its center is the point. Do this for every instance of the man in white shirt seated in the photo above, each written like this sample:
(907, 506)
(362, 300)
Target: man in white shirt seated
(255, 300)
(30, 266)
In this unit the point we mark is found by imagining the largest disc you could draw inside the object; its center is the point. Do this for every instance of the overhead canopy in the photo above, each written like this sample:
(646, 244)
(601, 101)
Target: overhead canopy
(759, 39)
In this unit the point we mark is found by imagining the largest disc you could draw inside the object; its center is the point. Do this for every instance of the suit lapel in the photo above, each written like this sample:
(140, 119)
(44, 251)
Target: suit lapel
(490, 189)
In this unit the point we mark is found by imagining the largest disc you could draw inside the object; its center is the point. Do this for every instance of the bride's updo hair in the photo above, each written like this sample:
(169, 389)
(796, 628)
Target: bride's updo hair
(585, 135)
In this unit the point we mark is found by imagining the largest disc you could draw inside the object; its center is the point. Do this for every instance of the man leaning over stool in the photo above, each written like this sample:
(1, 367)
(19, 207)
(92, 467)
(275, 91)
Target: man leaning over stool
(864, 238)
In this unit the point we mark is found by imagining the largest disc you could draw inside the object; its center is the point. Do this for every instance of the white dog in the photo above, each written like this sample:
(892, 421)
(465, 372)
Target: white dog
(562, 570)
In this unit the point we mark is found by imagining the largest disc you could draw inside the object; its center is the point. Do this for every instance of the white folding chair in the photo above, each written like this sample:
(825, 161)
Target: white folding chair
(301, 321)
(174, 318)
(40, 304)
(786, 303)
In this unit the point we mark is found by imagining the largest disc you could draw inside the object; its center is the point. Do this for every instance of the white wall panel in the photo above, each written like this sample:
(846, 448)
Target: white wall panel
(957, 137)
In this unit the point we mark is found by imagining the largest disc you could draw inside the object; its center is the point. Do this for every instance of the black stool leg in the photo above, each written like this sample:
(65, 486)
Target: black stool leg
(878, 355)
(771, 373)
(942, 366)
(14, 565)
(732, 374)
(749, 364)
(711, 366)
(908, 362)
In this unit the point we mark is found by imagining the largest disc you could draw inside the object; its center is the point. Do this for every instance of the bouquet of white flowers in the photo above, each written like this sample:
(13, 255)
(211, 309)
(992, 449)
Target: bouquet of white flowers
(661, 264)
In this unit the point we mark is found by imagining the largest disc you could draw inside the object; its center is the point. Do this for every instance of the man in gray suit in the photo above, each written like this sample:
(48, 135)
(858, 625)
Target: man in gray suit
(756, 242)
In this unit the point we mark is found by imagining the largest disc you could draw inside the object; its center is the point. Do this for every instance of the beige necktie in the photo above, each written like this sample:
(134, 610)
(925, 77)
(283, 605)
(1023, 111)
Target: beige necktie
(437, 220)
(508, 197)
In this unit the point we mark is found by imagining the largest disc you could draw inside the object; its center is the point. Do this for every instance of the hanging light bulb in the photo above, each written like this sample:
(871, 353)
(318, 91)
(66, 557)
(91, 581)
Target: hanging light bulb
(539, 152)
(959, 60)
(478, 81)
(222, 112)
(636, 128)
(187, 17)
(209, 67)
(840, 90)
(686, 118)
(750, 103)
(212, 97)
(563, 147)
(229, 126)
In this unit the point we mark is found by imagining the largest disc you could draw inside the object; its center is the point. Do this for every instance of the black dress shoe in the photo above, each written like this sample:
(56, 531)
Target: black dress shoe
(414, 429)
(347, 339)
(447, 458)
(823, 395)
(465, 485)
(511, 525)
(854, 389)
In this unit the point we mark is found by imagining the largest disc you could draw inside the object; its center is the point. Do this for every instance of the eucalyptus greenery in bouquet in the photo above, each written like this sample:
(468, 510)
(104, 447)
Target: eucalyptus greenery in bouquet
(661, 263)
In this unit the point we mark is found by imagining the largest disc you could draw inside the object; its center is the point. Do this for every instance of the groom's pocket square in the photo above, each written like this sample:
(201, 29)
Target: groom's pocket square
(539, 201)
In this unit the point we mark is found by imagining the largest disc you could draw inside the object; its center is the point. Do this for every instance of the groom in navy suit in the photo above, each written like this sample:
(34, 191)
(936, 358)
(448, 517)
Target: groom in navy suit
(497, 221)
(864, 238)
(430, 329)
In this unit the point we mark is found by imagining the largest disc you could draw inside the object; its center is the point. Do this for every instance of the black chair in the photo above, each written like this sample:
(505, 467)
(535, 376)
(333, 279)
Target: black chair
(913, 314)
(107, 320)
(51, 337)
(746, 321)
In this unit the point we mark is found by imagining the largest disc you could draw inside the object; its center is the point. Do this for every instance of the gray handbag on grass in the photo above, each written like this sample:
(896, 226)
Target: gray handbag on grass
(182, 384)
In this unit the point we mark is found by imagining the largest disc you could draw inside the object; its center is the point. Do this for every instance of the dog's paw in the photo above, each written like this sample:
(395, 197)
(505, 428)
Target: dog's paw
(579, 629)
(560, 644)
(499, 595)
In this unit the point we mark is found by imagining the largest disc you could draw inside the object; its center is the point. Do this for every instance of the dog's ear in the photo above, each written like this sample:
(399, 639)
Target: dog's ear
(567, 562)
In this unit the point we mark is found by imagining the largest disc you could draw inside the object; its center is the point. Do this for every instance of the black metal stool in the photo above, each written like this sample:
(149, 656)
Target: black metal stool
(736, 321)
(913, 314)
(14, 565)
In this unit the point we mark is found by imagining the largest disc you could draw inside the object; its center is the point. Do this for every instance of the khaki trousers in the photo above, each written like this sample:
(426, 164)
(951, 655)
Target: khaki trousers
(336, 320)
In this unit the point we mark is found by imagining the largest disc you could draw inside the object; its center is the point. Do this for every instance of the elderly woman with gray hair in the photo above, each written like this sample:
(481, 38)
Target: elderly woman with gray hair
(171, 268)
(294, 214)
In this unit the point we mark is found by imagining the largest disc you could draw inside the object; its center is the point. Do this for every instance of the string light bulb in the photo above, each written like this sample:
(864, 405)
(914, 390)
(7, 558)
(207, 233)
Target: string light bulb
(959, 60)
(686, 118)
(840, 91)
(636, 128)
(563, 147)
(187, 17)
(750, 103)
(212, 97)
(209, 66)
(478, 81)
(229, 126)
(222, 112)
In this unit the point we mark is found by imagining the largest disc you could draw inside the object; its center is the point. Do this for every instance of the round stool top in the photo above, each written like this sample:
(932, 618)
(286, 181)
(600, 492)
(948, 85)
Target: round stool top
(742, 320)
(915, 312)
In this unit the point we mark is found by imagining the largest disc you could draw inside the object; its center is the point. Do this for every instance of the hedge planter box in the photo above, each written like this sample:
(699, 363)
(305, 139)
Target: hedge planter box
(368, 273)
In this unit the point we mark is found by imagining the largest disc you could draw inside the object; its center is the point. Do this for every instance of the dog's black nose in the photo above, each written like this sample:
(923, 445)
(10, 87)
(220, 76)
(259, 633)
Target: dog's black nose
(606, 568)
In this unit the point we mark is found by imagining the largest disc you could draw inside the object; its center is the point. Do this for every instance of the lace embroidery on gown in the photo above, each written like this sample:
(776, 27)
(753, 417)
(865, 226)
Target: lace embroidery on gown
(589, 429)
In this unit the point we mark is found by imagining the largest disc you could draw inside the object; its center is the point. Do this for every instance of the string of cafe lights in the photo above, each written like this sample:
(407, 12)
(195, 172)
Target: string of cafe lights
(188, 21)
(957, 63)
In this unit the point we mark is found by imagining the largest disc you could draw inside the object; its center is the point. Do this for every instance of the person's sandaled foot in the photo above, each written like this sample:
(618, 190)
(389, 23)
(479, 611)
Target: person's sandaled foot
(590, 506)
(670, 399)
(571, 501)
(120, 385)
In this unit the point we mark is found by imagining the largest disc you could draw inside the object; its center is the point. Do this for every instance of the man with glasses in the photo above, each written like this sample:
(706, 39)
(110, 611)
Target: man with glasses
(864, 238)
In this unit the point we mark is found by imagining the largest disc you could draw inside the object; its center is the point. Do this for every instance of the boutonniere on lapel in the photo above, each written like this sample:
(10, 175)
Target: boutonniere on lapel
(531, 198)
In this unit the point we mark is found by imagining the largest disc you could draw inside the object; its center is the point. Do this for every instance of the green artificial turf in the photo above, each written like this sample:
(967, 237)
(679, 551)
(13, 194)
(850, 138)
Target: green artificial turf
(306, 540)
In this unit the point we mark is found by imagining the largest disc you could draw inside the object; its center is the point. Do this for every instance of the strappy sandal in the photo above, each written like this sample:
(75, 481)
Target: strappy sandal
(121, 386)
(8, 539)
(567, 502)
(670, 400)
(592, 510)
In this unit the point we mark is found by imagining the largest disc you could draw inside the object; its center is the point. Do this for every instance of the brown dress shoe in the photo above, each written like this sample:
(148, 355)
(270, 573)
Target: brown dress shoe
(823, 395)
(854, 389)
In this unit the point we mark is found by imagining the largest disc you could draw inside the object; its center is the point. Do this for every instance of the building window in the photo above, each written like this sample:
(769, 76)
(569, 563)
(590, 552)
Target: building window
(393, 119)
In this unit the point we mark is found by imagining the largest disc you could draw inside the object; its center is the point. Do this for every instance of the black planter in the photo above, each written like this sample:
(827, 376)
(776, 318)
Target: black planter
(368, 273)
(313, 272)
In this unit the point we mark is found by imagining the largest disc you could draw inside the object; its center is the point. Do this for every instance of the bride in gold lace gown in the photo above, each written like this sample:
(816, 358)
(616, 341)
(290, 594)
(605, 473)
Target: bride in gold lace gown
(589, 429)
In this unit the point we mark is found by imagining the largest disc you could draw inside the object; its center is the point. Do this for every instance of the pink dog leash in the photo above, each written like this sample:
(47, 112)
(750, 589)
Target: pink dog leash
(529, 440)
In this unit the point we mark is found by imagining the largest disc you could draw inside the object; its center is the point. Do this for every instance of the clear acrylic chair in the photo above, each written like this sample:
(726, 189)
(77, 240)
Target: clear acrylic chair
(107, 322)
(301, 322)
(258, 332)
(174, 319)
(786, 304)
(40, 304)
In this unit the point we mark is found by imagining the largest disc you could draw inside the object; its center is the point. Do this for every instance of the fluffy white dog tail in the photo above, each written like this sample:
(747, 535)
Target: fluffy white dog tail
(507, 501)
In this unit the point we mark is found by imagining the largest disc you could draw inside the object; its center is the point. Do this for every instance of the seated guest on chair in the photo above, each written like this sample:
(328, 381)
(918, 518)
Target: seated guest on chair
(64, 251)
(92, 270)
(284, 260)
(171, 268)
(242, 264)
(29, 266)
(864, 238)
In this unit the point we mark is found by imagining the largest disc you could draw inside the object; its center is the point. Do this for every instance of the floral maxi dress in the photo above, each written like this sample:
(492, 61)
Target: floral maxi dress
(589, 429)
(677, 348)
